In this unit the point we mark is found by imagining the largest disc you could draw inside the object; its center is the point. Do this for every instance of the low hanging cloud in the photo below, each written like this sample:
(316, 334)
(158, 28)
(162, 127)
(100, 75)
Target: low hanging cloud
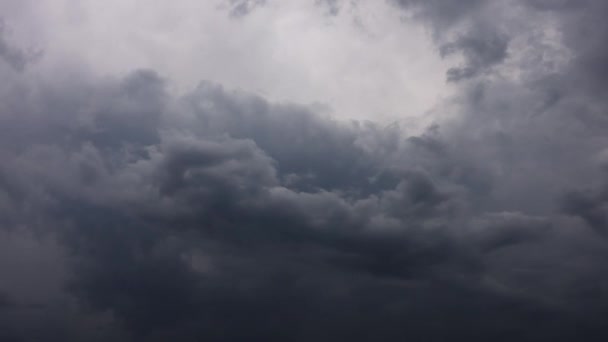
(220, 215)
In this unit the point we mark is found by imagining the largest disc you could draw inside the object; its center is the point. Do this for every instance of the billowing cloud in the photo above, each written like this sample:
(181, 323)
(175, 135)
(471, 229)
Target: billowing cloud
(219, 214)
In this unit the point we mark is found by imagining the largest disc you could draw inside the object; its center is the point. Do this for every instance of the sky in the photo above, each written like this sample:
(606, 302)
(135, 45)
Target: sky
(303, 170)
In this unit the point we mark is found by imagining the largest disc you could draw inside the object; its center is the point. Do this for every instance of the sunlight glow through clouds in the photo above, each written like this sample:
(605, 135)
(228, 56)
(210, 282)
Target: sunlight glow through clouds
(368, 62)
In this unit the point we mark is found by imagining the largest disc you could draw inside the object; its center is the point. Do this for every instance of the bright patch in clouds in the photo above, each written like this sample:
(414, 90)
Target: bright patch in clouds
(367, 62)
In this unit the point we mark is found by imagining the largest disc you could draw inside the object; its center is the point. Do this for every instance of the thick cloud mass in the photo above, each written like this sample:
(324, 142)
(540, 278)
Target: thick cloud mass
(218, 215)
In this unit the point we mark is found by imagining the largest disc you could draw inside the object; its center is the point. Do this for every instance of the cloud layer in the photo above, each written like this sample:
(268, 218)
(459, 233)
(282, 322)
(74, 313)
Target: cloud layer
(219, 214)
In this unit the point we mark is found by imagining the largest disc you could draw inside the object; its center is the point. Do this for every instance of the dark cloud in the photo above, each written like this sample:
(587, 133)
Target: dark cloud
(221, 216)
(204, 227)
(583, 31)
(481, 52)
(591, 205)
(464, 28)
(5, 301)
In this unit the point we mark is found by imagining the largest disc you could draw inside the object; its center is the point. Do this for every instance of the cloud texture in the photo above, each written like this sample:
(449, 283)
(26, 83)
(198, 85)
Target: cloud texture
(221, 215)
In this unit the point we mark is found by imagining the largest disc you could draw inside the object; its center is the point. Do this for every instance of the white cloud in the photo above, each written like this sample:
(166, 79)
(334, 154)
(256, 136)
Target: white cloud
(366, 63)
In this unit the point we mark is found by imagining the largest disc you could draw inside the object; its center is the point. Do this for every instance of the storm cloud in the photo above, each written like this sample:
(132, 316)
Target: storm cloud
(130, 211)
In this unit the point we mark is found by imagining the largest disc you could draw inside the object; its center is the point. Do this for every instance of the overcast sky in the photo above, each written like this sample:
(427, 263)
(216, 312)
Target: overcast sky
(303, 170)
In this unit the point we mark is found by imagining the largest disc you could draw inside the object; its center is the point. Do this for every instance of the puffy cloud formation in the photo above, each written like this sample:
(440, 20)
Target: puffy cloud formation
(132, 213)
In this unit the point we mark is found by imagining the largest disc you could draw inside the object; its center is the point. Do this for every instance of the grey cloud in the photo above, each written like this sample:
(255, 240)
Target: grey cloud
(219, 215)
(442, 13)
(333, 6)
(241, 8)
(5, 301)
(557, 5)
(191, 228)
(12, 55)
(481, 52)
(482, 30)
(463, 28)
(583, 31)
(303, 143)
(591, 205)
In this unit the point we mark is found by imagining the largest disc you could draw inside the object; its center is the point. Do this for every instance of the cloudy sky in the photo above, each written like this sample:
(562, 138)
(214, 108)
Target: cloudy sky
(303, 170)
